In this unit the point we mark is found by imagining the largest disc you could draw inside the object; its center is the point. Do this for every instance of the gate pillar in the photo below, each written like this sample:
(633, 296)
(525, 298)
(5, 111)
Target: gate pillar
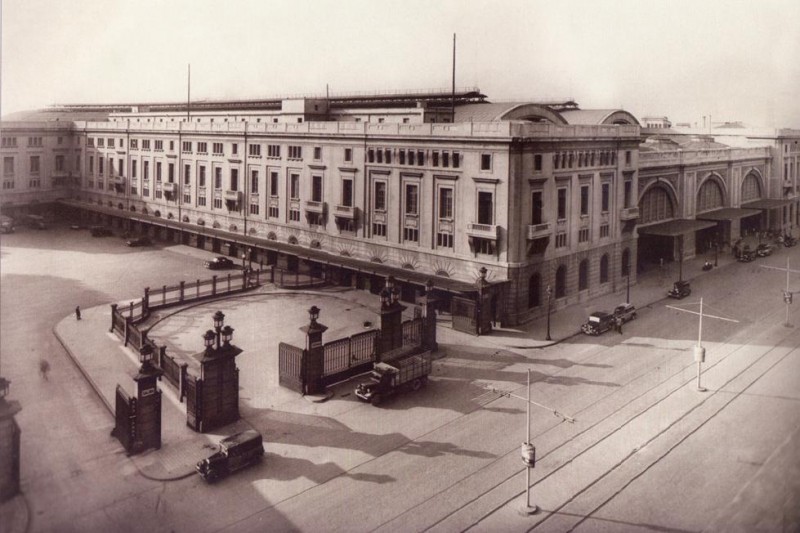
(391, 318)
(148, 415)
(219, 393)
(314, 353)
(9, 445)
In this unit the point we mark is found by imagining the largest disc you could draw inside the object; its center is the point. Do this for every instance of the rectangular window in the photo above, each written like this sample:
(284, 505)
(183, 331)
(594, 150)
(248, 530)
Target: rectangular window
(158, 170)
(446, 203)
(111, 143)
(388, 156)
(134, 144)
(584, 200)
(295, 152)
(171, 145)
(379, 153)
(411, 234)
(444, 240)
(217, 178)
(583, 235)
(254, 209)
(536, 207)
(604, 231)
(486, 161)
(90, 142)
(401, 157)
(146, 169)
(537, 162)
(273, 184)
(100, 142)
(370, 156)
(605, 197)
(380, 196)
(201, 177)
(100, 165)
(159, 146)
(217, 203)
(561, 240)
(254, 182)
(8, 166)
(411, 157)
(294, 186)
(120, 167)
(146, 144)
(446, 159)
(91, 164)
(187, 198)
(202, 148)
(274, 211)
(201, 201)
(435, 158)
(294, 215)
(133, 167)
(254, 150)
(186, 147)
(420, 157)
(412, 196)
(216, 148)
(456, 160)
(316, 188)
(347, 192)
(273, 150)
(378, 230)
(562, 203)
(60, 162)
(187, 174)
(235, 148)
(627, 157)
(317, 153)
(628, 192)
(234, 179)
(348, 155)
(485, 207)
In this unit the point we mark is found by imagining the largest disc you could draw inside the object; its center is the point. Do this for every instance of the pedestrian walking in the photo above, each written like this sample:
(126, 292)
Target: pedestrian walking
(619, 325)
(44, 368)
(78, 312)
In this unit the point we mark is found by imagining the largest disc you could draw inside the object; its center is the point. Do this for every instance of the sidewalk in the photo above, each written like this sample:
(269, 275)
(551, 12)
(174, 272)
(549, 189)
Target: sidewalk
(105, 362)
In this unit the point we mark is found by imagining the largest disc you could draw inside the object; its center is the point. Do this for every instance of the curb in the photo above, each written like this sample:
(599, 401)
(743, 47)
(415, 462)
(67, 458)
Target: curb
(83, 371)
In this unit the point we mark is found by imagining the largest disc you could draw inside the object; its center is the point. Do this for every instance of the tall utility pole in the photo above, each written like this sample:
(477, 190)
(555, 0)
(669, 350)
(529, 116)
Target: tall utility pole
(699, 351)
(787, 294)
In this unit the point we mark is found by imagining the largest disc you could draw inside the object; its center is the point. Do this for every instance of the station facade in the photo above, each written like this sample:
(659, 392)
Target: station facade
(512, 206)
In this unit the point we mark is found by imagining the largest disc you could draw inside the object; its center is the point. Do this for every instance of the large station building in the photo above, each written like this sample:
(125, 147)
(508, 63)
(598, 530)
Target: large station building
(503, 207)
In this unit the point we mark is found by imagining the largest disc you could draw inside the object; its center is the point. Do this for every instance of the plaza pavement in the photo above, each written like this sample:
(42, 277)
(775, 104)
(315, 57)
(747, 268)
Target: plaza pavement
(105, 362)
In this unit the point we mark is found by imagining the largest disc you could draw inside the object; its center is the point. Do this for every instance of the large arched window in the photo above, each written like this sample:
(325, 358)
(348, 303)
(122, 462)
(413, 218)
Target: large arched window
(604, 269)
(751, 188)
(709, 196)
(656, 205)
(626, 261)
(583, 275)
(561, 281)
(535, 290)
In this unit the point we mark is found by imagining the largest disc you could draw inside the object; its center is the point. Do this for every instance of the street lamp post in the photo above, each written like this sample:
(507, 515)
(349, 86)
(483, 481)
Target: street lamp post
(549, 294)
(628, 287)
(680, 262)
(528, 457)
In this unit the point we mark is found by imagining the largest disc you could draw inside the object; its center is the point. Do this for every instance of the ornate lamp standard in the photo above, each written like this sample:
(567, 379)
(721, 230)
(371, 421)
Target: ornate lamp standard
(549, 291)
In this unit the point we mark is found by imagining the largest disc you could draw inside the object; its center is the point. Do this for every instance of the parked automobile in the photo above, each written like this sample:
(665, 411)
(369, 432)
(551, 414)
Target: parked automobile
(100, 231)
(6, 224)
(680, 289)
(747, 255)
(763, 250)
(598, 322)
(139, 241)
(626, 312)
(235, 452)
(35, 221)
(388, 378)
(789, 241)
(219, 263)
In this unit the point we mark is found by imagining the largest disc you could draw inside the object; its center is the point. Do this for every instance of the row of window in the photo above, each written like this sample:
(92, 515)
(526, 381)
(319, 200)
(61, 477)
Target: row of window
(434, 158)
(536, 292)
(584, 159)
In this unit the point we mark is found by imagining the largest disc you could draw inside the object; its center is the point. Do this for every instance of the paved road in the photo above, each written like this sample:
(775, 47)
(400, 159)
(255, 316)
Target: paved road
(646, 452)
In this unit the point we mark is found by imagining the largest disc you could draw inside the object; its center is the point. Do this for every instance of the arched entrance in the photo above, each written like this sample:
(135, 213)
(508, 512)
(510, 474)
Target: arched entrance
(657, 205)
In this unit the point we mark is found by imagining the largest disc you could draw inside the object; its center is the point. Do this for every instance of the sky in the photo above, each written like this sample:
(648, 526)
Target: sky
(733, 60)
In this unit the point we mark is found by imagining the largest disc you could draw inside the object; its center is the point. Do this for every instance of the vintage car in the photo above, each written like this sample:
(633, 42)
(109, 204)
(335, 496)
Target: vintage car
(763, 250)
(6, 224)
(626, 312)
(235, 452)
(680, 289)
(747, 255)
(219, 263)
(599, 322)
(139, 241)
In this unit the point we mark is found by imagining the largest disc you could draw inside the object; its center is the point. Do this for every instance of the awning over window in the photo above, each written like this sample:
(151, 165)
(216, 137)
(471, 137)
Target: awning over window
(728, 213)
(767, 203)
(675, 228)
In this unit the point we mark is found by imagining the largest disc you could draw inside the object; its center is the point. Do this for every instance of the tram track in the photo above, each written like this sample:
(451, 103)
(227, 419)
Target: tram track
(735, 339)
